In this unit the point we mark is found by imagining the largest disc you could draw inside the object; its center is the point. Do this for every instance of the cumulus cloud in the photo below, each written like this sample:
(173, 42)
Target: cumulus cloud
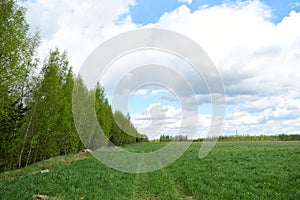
(159, 119)
(257, 59)
(77, 26)
(279, 114)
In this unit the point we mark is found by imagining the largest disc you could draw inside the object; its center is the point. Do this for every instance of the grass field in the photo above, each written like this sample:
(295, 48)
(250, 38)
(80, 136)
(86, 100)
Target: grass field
(233, 170)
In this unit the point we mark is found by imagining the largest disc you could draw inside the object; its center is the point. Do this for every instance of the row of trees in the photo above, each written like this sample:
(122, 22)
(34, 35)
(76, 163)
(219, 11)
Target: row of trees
(115, 128)
(280, 137)
(36, 120)
(169, 138)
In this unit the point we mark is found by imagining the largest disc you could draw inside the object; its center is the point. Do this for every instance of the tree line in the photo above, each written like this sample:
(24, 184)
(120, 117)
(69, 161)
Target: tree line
(176, 138)
(36, 120)
(280, 137)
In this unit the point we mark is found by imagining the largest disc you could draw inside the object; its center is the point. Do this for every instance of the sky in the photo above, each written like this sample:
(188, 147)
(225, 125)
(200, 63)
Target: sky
(255, 46)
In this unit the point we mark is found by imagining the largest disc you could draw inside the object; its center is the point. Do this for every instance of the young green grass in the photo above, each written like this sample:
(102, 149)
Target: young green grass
(233, 170)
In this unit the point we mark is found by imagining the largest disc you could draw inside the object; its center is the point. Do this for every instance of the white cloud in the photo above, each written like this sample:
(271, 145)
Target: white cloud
(77, 26)
(258, 60)
(265, 116)
(294, 5)
(157, 119)
(186, 1)
(147, 91)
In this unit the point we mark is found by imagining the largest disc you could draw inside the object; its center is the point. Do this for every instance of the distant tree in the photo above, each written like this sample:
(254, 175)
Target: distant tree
(142, 138)
(169, 138)
(123, 132)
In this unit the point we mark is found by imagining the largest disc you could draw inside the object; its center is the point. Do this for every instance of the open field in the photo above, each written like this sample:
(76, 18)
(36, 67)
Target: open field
(233, 170)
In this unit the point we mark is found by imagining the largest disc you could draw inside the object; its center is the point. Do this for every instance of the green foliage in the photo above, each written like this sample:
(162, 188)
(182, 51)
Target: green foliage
(142, 138)
(123, 131)
(36, 120)
(17, 48)
(49, 128)
(233, 170)
(281, 137)
(115, 127)
(82, 107)
(169, 138)
(103, 111)
(69, 139)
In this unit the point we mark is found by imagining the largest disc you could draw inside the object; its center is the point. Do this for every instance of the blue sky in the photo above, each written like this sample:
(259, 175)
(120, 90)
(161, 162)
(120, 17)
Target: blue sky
(149, 11)
(255, 46)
